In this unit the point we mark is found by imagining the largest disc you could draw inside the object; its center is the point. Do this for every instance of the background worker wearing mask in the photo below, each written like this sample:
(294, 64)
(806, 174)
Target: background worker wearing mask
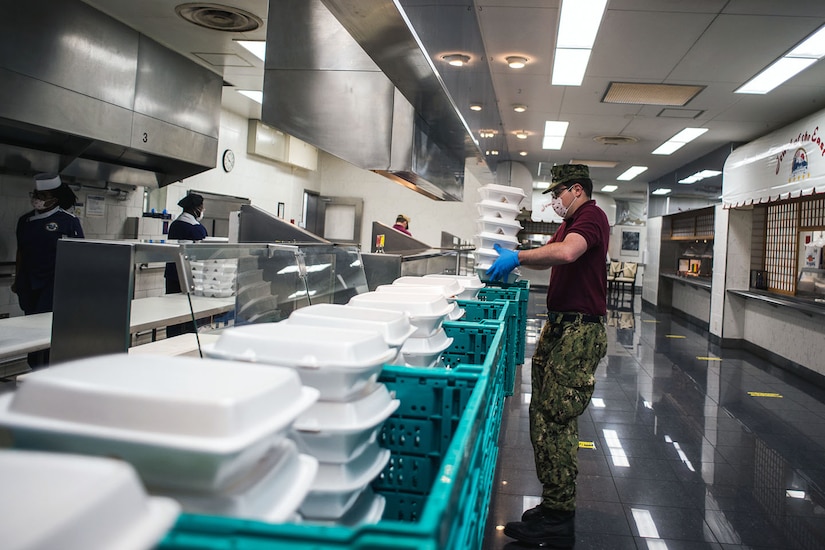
(186, 228)
(571, 344)
(37, 234)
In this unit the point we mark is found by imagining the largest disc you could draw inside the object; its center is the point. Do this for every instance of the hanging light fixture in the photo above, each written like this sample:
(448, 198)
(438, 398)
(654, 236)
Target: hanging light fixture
(521, 134)
(456, 59)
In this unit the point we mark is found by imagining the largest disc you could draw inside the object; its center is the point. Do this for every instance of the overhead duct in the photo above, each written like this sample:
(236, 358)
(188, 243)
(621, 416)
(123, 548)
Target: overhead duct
(86, 96)
(350, 78)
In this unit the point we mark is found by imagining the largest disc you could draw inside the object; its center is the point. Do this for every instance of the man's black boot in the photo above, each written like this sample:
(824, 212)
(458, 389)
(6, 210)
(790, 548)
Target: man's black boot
(553, 528)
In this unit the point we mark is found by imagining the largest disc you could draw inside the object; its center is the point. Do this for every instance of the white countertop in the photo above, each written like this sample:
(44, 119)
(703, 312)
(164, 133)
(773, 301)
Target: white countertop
(24, 334)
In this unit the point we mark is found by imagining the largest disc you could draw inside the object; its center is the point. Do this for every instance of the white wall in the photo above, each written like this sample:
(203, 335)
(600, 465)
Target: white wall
(650, 286)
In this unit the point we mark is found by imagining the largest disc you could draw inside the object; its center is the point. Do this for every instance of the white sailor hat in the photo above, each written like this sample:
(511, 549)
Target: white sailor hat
(46, 182)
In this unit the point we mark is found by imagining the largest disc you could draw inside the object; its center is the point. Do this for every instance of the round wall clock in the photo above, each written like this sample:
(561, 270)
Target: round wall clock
(228, 160)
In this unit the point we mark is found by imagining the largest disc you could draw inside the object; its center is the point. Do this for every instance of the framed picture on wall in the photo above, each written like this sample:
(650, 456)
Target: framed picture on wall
(630, 243)
(281, 210)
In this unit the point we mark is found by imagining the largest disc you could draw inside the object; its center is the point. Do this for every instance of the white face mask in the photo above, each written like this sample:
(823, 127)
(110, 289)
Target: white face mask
(39, 204)
(200, 214)
(558, 206)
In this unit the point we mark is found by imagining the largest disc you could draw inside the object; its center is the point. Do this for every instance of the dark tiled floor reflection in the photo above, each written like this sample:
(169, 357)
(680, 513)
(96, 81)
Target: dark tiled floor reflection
(693, 447)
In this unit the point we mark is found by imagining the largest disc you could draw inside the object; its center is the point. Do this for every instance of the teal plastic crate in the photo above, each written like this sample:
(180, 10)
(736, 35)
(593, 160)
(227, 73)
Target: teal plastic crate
(436, 493)
(502, 311)
(518, 292)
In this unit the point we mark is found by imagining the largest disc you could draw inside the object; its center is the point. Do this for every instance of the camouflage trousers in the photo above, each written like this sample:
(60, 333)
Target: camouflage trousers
(564, 363)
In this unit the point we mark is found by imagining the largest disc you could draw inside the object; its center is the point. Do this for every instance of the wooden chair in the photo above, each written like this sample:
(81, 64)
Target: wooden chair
(614, 269)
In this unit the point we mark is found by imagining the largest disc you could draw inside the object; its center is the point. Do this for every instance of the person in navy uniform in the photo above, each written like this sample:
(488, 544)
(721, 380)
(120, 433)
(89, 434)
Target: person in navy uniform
(37, 234)
(186, 228)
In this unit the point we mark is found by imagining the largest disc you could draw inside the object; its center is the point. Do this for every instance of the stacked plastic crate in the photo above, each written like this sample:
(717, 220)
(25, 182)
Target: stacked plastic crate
(497, 224)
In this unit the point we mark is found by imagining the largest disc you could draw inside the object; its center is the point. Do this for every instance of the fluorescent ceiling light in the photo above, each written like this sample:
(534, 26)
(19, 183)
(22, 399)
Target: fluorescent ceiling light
(679, 140)
(256, 47)
(254, 95)
(782, 70)
(578, 26)
(794, 494)
(579, 23)
(596, 163)
(631, 173)
(804, 54)
(569, 67)
(660, 191)
(609, 188)
(541, 185)
(554, 132)
(699, 176)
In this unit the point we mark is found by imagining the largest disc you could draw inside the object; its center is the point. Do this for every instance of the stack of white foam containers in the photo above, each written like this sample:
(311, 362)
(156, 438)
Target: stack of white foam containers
(497, 224)
(428, 302)
(210, 434)
(340, 429)
(214, 278)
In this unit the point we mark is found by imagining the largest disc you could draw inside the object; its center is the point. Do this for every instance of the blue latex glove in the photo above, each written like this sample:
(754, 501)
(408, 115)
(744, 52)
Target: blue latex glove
(507, 261)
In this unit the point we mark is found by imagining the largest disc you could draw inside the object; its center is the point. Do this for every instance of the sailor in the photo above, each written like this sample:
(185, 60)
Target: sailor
(37, 234)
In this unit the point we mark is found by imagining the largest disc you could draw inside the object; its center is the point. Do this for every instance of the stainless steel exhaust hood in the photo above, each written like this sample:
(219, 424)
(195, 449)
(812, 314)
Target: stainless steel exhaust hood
(350, 77)
(86, 96)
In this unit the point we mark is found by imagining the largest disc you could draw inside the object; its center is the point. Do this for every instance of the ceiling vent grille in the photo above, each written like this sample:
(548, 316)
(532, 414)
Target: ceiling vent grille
(615, 140)
(650, 94)
(218, 17)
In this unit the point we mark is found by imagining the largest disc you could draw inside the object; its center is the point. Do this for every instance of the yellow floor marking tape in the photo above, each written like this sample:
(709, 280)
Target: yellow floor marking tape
(674, 336)
(709, 358)
(587, 445)
(541, 315)
(650, 321)
(764, 394)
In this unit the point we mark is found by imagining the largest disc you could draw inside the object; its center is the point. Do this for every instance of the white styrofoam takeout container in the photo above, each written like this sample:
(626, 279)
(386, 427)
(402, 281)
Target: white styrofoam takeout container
(72, 502)
(502, 193)
(512, 277)
(338, 431)
(487, 240)
(450, 287)
(394, 326)
(492, 224)
(337, 486)
(425, 352)
(494, 209)
(182, 422)
(271, 492)
(426, 311)
(470, 284)
(338, 362)
(367, 509)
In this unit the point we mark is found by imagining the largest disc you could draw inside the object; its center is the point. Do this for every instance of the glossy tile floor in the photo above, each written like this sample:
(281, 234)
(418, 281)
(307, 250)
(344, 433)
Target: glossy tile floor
(693, 447)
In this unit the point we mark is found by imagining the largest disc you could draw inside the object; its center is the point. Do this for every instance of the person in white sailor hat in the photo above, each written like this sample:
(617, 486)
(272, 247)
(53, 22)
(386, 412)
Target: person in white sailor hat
(186, 228)
(37, 234)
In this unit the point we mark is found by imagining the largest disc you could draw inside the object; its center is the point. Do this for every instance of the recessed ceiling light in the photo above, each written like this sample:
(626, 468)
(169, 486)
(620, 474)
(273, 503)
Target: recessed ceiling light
(519, 108)
(256, 47)
(523, 153)
(609, 188)
(254, 95)
(660, 191)
(494, 152)
(578, 25)
(476, 106)
(699, 176)
(521, 134)
(456, 59)
(804, 54)
(516, 61)
(487, 133)
(631, 173)
(554, 132)
(679, 140)
(596, 163)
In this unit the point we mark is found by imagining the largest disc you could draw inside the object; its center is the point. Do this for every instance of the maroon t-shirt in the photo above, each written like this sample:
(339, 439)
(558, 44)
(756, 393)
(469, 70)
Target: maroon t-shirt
(581, 286)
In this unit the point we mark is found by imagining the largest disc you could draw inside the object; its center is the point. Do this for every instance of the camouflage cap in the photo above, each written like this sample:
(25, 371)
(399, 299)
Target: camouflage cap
(563, 173)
